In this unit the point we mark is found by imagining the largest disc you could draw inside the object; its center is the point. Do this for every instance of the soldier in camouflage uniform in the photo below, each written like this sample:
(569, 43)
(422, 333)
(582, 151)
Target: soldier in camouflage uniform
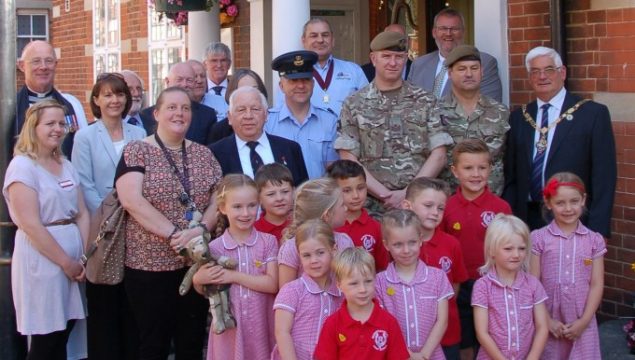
(467, 114)
(385, 128)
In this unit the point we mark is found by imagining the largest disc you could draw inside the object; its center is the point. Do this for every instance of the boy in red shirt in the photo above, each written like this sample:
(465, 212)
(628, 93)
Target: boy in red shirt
(427, 198)
(360, 329)
(467, 215)
(275, 192)
(361, 227)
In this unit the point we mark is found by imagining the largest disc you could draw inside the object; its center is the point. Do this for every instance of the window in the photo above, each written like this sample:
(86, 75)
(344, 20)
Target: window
(106, 42)
(166, 46)
(31, 26)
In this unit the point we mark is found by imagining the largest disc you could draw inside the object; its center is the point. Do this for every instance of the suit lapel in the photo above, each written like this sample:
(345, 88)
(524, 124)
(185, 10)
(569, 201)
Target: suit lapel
(531, 132)
(429, 80)
(106, 142)
(233, 154)
(563, 128)
(278, 155)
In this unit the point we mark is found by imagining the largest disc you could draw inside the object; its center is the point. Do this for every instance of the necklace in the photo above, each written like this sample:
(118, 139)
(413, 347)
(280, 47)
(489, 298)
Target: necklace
(541, 145)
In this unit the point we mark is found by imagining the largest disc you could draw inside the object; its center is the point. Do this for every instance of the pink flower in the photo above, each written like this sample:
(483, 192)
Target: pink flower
(181, 18)
(232, 10)
(224, 2)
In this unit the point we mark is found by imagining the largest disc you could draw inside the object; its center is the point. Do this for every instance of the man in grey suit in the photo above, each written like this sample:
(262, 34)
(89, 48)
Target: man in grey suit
(428, 71)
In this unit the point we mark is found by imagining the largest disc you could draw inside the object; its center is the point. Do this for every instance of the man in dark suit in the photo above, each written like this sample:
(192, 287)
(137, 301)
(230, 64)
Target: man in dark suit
(369, 68)
(203, 117)
(250, 147)
(448, 33)
(559, 132)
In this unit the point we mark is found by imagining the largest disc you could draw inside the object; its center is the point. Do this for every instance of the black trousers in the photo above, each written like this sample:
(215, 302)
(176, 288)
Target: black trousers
(50, 346)
(163, 316)
(112, 333)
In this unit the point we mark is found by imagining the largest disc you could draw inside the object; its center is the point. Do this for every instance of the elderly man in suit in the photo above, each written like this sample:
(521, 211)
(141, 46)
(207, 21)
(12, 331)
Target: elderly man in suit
(559, 132)
(250, 147)
(430, 73)
(203, 117)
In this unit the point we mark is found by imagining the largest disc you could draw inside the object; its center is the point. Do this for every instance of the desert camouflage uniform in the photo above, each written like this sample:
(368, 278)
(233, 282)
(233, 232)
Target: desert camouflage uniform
(390, 135)
(489, 122)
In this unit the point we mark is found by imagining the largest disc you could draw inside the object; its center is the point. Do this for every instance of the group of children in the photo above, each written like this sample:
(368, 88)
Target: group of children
(455, 274)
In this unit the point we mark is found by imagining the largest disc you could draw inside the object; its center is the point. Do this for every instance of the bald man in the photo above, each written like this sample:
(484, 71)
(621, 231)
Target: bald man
(38, 63)
(203, 117)
(369, 68)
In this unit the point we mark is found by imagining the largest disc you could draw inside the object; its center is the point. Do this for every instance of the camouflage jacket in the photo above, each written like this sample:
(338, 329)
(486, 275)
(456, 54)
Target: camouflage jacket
(391, 136)
(489, 122)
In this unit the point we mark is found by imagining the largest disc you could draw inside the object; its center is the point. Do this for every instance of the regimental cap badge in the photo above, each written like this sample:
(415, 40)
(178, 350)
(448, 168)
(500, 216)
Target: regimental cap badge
(298, 61)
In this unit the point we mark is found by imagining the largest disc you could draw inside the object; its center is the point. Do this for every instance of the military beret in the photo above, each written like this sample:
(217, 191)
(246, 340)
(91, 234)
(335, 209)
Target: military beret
(295, 64)
(462, 52)
(389, 40)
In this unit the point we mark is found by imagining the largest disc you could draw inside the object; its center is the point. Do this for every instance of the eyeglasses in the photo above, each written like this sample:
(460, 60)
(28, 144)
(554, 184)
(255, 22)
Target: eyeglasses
(452, 30)
(548, 71)
(49, 61)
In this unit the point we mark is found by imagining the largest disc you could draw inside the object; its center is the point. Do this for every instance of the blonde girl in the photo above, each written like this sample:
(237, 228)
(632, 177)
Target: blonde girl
(303, 304)
(315, 199)
(254, 281)
(414, 293)
(510, 316)
(568, 258)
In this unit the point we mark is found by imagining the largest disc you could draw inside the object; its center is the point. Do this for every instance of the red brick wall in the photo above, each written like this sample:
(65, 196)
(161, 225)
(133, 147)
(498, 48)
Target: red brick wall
(601, 58)
(241, 55)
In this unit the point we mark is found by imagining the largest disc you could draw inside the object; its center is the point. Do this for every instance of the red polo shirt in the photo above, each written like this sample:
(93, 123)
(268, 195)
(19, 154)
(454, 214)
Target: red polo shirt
(468, 221)
(366, 232)
(265, 226)
(443, 251)
(342, 337)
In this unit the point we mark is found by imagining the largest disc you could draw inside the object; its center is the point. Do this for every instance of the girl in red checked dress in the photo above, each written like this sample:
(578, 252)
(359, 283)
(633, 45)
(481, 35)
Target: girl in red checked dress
(414, 293)
(569, 261)
(303, 304)
(510, 316)
(253, 283)
(315, 199)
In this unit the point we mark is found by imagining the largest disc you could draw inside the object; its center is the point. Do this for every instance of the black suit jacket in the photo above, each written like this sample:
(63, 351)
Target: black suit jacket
(369, 70)
(200, 131)
(284, 151)
(584, 146)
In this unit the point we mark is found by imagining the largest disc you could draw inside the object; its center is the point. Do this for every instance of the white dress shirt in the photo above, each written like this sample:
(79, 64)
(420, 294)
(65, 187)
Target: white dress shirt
(263, 149)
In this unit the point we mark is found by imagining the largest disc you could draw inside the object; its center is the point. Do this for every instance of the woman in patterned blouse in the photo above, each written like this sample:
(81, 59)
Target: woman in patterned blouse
(164, 182)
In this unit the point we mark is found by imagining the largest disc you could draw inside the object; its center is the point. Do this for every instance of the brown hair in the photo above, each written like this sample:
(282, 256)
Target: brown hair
(470, 146)
(116, 83)
(274, 173)
(399, 218)
(232, 84)
(313, 199)
(164, 92)
(227, 184)
(418, 185)
(345, 169)
(27, 143)
(315, 229)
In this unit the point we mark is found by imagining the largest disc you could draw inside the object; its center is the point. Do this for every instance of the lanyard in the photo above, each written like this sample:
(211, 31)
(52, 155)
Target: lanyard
(324, 85)
(183, 177)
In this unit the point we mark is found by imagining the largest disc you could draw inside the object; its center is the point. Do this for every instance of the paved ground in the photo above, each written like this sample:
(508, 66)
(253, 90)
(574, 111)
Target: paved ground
(613, 341)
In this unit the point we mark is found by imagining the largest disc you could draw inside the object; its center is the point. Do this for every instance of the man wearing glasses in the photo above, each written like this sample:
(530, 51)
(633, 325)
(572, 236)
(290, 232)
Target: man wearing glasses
(558, 132)
(429, 72)
(203, 117)
(38, 63)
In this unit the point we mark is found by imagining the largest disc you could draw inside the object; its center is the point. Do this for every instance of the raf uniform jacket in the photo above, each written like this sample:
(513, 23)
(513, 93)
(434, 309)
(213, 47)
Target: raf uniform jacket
(584, 145)
(200, 131)
(424, 70)
(285, 152)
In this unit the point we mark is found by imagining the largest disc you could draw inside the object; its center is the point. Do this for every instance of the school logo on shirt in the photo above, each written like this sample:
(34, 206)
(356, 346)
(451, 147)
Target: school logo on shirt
(368, 241)
(487, 217)
(380, 337)
(445, 263)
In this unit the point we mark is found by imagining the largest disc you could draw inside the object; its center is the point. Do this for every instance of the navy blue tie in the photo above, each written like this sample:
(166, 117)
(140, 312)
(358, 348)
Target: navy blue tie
(133, 121)
(256, 160)
(217, 90)
(539, 158)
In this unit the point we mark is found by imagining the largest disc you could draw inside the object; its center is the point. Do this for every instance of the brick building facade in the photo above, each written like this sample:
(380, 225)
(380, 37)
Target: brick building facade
(600, 43)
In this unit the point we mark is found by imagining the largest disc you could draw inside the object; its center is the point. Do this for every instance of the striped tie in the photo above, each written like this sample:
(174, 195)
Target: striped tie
(438, 81)
(254, 158)
(539, 159)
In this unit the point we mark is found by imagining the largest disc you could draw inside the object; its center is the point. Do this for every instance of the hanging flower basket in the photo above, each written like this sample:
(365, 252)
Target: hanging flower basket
(181, 5)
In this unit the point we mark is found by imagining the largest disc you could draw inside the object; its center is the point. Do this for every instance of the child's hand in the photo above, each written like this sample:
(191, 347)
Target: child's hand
(416, 356)
(556, 328)
(574, 330)
(208, 274)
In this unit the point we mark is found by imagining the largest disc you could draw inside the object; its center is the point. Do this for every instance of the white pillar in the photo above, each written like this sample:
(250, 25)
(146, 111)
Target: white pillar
(260, 40)
(490, 35)
(287, 19)
(203, 28)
